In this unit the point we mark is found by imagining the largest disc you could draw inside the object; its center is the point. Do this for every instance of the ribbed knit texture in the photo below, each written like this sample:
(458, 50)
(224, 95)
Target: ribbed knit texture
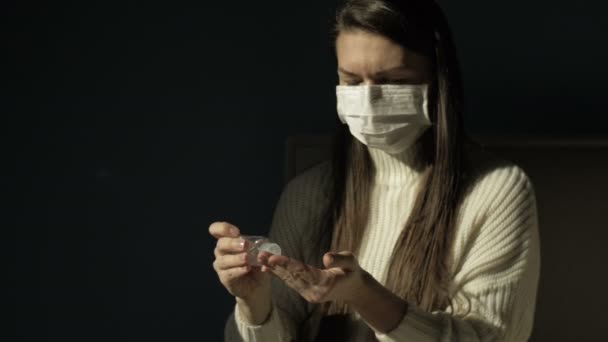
(496, 254)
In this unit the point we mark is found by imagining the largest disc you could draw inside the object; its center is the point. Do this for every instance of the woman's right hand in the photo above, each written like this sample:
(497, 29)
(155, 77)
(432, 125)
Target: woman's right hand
(241, 280)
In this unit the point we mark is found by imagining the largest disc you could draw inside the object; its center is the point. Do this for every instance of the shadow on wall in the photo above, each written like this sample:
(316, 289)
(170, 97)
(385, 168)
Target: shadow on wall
(570, 179)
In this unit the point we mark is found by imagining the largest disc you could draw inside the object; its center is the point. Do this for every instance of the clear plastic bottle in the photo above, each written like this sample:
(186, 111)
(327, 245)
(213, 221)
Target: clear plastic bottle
(256, 244)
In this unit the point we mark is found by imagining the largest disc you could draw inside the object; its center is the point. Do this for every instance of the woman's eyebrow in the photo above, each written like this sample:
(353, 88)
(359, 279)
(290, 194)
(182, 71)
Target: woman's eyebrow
(381, 72)
(349, 73)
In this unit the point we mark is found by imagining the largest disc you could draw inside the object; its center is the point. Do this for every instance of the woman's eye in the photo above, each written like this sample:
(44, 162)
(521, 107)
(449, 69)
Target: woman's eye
(393, 81)
(352, 83)
(402, 81)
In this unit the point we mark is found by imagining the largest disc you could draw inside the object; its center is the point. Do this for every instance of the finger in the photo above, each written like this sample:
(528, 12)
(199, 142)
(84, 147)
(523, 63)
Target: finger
(278, 260)
(229, 245)
(227, 276)
(230, 261)
(344, 259)
(221, 229)
(263, 257)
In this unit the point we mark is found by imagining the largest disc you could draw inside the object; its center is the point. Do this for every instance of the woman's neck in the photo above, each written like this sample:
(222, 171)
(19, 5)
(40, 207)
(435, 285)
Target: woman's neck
(396, 169)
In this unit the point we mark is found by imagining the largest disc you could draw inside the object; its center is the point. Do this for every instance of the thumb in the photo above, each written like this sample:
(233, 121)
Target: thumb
(344, 259)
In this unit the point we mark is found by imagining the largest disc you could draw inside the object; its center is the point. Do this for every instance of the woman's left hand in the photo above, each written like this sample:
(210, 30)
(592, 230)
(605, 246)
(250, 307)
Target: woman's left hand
(342, 278)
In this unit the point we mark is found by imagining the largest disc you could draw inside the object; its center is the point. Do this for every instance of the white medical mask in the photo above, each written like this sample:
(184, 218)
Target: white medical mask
(389, 117)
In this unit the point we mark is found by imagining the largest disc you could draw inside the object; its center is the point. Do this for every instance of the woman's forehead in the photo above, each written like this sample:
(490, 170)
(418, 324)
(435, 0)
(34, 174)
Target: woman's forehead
(369, 53)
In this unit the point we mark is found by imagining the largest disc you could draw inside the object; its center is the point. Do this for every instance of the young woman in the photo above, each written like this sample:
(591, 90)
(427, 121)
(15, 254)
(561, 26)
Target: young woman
(410, 232)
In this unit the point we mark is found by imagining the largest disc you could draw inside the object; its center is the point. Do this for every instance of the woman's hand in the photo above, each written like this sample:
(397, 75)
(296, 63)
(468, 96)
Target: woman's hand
(248, 284)
(341, 279)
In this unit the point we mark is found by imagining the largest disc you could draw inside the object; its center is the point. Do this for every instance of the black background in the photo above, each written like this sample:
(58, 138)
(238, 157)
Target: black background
(130, 127)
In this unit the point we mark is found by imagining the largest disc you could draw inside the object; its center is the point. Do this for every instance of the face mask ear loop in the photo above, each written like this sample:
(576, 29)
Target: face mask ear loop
(425, 103)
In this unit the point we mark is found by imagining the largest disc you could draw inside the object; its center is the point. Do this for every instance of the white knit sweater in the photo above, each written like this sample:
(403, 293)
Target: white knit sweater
(496, 254)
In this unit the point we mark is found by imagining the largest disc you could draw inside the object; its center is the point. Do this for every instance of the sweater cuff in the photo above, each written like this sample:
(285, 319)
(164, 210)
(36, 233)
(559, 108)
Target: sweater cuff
(416, 325)
(268, 330)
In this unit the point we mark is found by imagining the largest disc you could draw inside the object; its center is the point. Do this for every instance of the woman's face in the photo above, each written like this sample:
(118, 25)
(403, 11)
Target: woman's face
(368, 58)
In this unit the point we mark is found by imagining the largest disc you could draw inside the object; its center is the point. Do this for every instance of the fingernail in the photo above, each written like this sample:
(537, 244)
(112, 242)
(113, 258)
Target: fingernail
(234, 231)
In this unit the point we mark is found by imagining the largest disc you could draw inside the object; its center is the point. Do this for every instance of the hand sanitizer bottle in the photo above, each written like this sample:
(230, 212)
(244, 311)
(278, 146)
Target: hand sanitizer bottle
(256, 244)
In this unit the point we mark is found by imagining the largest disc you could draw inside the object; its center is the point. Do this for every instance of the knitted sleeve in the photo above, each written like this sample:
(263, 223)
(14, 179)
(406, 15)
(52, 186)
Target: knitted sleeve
(291, 221)
(497, 265)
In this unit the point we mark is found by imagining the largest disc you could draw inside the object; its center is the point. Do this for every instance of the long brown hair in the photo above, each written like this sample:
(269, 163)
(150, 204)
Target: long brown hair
(419, 265)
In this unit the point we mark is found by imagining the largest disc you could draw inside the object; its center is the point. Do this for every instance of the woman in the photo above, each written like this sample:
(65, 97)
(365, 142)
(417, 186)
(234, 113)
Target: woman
(409, 233)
